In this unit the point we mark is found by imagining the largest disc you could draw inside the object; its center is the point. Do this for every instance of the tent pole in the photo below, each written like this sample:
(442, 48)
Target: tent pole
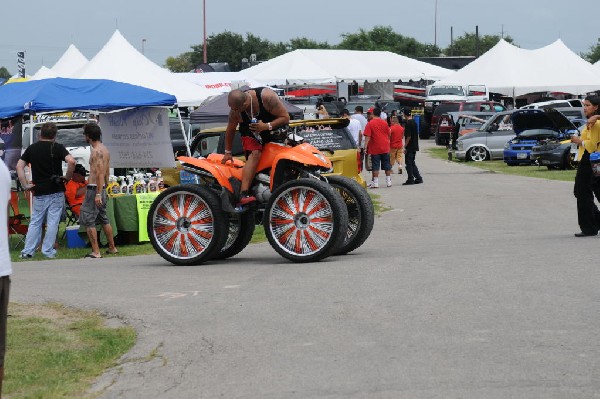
(185, 136)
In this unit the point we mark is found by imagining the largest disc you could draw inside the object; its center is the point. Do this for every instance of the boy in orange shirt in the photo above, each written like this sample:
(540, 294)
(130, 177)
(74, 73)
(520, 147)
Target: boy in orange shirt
(75, 188)
(396, 146)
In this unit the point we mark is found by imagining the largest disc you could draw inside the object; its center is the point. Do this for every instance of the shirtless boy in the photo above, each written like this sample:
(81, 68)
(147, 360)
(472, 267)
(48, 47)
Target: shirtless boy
(93, 209)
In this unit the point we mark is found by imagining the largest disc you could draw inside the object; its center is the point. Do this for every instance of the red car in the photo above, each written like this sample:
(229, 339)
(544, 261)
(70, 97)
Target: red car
(442, 128)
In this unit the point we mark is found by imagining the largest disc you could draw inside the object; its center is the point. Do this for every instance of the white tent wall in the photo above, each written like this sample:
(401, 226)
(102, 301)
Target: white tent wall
(118, 60)
(219, 82)
(313, 67)
(385, 90)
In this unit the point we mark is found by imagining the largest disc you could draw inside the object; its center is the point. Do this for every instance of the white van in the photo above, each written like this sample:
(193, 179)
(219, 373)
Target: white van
(70, 134)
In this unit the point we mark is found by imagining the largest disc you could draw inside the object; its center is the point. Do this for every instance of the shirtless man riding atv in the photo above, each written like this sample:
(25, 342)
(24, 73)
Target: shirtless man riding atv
(257, 111)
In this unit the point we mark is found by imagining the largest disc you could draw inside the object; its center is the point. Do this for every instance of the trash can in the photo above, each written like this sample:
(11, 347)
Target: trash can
(73, 238)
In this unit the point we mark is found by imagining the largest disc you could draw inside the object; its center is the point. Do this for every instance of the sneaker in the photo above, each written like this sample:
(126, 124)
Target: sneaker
(389, 182)
(418, 181)
(25, 256)
(373, 185)
(246, 199)
(408, 183)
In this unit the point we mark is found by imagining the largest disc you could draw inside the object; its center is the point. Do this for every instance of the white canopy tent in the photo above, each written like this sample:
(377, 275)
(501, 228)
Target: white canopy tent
(70, 62)
(512, 71)
(43, 73)
(118, 60)
(300, 67)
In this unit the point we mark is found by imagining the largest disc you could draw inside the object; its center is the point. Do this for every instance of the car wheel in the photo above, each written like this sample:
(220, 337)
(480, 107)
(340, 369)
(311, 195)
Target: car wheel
(478, 153)
(567, 161)
(438, 139)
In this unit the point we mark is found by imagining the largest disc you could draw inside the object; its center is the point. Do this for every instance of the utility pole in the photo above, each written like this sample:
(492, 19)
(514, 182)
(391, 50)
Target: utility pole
(435, 25)
(204, 16)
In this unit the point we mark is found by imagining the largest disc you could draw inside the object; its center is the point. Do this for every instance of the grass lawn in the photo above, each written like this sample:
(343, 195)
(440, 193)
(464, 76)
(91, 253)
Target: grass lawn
(500, 167)
(56, 352)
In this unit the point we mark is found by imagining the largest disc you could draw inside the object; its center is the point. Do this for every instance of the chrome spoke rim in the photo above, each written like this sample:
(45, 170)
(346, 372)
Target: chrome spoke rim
(183, 225)
(301, 221)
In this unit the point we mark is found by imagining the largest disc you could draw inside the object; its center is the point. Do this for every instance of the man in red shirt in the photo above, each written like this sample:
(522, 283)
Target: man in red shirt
(377, 143)
(396, 139)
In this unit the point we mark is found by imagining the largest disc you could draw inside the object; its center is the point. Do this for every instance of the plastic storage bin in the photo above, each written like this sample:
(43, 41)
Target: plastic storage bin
(73, 238)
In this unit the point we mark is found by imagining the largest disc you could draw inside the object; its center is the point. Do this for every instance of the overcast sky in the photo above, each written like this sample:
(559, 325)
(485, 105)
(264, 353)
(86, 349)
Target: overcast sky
(45, 29)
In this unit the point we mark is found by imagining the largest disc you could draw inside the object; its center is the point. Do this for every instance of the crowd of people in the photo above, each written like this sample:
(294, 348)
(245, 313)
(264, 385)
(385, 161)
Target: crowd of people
(50, 189)
(386, 141)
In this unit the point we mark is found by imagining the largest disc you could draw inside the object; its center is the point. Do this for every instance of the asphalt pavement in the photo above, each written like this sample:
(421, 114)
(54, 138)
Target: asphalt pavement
(472, 285)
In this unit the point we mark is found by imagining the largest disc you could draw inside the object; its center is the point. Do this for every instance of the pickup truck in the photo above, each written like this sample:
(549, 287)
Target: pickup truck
(436, 94)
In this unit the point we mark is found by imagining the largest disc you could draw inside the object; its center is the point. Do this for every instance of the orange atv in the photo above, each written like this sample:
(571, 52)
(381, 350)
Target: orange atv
(306, 216)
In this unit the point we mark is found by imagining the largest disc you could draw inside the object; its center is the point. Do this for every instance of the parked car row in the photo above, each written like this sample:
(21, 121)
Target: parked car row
(524, 136)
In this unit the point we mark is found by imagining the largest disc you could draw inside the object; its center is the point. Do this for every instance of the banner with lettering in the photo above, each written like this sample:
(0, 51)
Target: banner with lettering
(138, 138)
(144, 201)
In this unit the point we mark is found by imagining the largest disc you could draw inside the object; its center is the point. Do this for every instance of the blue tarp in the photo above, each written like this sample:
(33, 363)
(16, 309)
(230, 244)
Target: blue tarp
(61, 94)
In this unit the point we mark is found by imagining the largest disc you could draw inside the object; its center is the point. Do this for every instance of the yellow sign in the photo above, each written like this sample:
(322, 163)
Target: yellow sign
(144, 201)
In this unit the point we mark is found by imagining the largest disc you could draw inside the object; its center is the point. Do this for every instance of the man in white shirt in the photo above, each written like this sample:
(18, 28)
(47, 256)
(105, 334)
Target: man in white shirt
(354, 127)
(358, 115)
(5, 265)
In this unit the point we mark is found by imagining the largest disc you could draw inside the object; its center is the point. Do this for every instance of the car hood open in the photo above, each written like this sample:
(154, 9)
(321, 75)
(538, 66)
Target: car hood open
(540, 119)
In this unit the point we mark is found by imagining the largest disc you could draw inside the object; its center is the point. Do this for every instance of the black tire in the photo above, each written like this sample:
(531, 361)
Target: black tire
(567, 161)
(241, 228)
(306, 220)
(361, 212)
(186, 224)
(438, 140)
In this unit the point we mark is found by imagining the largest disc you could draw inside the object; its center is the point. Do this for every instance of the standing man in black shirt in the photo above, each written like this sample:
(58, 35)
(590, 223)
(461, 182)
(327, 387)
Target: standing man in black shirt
(411, 146)
(45, 158)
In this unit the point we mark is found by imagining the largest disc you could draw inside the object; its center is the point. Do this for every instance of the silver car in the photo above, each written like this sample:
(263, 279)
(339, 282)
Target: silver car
(488, 141)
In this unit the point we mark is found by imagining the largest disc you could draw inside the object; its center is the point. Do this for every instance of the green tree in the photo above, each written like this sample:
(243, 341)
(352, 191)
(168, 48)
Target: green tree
(181, 63)
(299, 43)
(594, 54)
(4, 74)
(465, 45)
(383, 38)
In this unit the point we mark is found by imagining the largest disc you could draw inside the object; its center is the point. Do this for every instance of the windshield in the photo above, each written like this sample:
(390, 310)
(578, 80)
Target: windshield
(67, 135)
(446, 91)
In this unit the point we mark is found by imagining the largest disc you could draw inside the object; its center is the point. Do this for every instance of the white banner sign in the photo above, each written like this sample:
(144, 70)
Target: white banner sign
(138, 138)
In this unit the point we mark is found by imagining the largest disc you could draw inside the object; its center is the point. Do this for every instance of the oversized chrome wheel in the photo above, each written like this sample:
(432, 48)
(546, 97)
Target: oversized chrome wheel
(186, 225)
(361, 213)
(478, 153)
(306, 220)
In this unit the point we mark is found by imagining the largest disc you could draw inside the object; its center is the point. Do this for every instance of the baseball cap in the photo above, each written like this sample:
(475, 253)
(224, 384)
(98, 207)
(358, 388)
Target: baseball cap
(370, 110)
(79, 168)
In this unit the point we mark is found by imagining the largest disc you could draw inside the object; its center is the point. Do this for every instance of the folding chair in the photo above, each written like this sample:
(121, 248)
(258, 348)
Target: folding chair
(17, 221)
(70, 217)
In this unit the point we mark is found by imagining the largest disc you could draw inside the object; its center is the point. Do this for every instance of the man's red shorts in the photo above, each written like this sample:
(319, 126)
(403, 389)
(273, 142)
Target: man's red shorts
(251, 144)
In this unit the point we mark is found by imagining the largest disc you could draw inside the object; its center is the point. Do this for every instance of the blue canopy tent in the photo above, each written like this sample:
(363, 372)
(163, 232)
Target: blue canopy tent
(61, 94)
